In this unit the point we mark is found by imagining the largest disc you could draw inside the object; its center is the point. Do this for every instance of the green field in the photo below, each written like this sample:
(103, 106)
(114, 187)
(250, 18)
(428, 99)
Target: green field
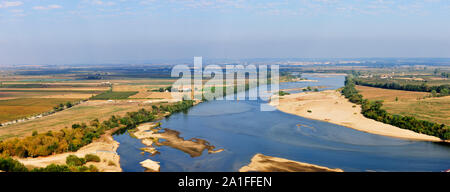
(110, 95)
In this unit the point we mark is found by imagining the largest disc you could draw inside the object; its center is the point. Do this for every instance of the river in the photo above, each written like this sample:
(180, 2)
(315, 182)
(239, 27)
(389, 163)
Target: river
(243, 130)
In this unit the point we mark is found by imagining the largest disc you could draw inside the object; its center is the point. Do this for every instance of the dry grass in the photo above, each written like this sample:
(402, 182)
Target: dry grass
(67, 96)
(24, 107)
(410, 103)
(389, 95)
(58, 89)
(81, 113)
(153, 95)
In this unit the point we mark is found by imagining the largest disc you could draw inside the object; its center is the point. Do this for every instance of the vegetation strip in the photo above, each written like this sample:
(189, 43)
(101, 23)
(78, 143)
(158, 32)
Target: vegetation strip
(372, 110)
(72, 139)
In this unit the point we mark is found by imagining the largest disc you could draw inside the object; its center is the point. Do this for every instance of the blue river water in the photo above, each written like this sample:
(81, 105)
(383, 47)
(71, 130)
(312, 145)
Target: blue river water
(242, 130)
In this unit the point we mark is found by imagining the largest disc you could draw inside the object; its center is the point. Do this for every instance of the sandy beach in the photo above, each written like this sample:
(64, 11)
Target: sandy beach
(263, 163)
(332, 107)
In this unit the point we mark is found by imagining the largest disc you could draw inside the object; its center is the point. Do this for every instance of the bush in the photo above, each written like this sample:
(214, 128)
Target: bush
(111, 163)
(69, 104)
(11, 165)
(92, 158)
(93, 168)
(53, 168)
(282, 93)
(75, 161)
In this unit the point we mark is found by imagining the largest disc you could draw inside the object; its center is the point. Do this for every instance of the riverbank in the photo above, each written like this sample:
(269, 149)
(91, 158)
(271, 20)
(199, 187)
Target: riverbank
(332, 107)
(263, 163)
(105, 147)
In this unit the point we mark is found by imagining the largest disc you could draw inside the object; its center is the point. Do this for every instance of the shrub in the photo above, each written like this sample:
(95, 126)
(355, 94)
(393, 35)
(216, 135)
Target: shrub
(92, 158)
(11, 165)
(111, 163)
(282, 93)
(69, 104)
(93, 168)
(53, 168)
(75, 161)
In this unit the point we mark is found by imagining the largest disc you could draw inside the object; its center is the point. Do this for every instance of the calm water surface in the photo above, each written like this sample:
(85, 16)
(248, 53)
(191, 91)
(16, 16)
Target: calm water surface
(243, 130)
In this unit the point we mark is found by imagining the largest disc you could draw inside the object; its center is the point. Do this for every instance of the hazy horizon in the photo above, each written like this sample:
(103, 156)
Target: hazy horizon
(115, 31)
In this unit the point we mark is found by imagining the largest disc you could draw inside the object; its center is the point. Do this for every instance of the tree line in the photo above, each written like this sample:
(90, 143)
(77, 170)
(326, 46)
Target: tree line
(373, 110)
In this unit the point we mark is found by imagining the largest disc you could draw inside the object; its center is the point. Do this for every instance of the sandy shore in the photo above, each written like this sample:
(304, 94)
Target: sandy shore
(149, 134)
(262, 163)
(105, 147)
(332, 107)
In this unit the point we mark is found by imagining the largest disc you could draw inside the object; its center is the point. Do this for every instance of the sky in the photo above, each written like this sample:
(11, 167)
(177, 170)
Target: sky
(121, 31)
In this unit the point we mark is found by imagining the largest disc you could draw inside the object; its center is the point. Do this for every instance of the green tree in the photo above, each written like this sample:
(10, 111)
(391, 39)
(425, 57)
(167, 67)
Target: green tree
(444, 92)
(433, 93)
(11, 165)
(69, 104)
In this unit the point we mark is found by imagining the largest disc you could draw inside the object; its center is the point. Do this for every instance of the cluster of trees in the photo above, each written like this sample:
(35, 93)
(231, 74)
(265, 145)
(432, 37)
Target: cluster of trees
(373, 110)
(73, 164)
(179, 107)
(63, 106)
(445, 75)
(72, 139)
(443, 90)
(44, 144)
(96, 76)
(309, 88)
(282, 93)
(9, 164)
(163, 89)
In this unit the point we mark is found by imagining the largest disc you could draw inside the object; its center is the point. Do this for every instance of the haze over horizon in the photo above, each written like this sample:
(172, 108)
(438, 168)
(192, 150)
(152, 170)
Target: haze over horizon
(111, 31)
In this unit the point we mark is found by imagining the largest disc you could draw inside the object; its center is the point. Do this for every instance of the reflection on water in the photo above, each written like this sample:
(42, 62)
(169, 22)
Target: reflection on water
(243, 130)
(222, 109)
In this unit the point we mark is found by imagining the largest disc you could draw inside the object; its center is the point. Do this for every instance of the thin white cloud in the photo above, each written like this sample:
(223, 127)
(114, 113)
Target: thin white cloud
(16, 11)
(6, 4)
(99, 2)
(48, 7)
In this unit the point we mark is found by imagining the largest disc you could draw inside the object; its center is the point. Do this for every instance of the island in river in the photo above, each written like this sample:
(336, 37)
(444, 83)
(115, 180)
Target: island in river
(263, 163)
